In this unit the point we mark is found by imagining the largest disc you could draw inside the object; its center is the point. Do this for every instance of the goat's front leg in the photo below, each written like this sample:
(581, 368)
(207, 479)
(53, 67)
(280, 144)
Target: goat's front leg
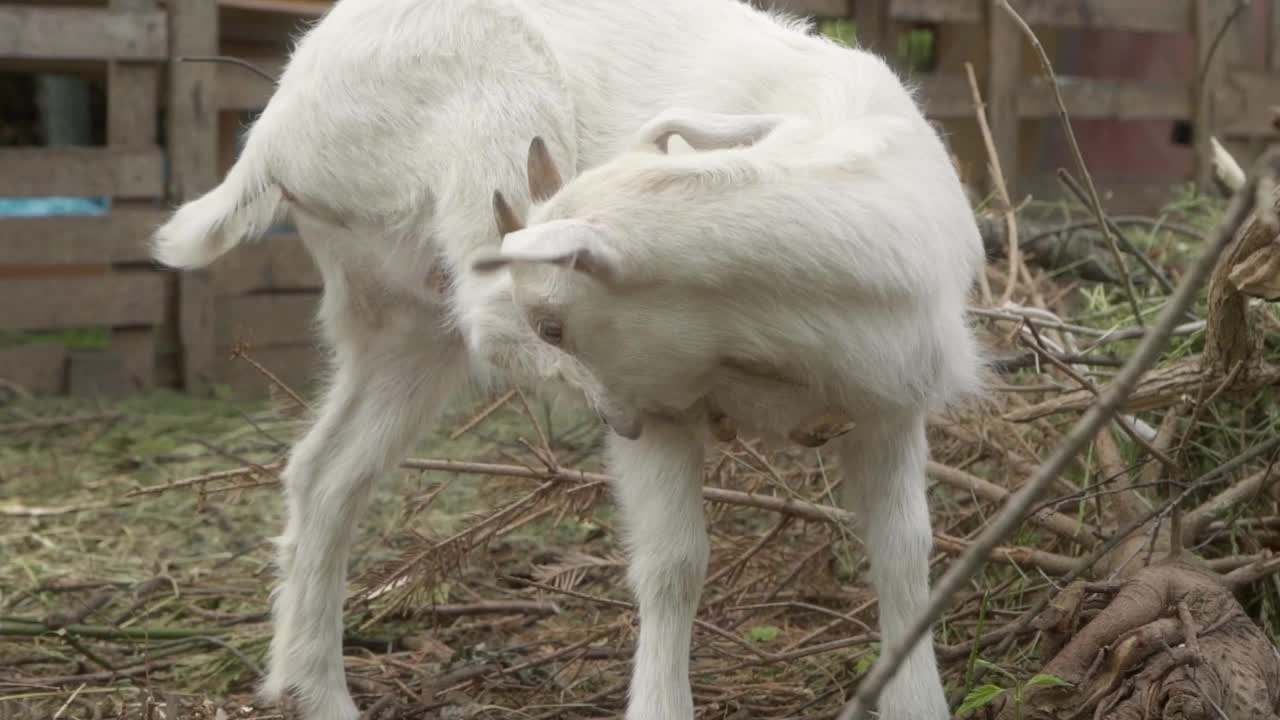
(389, 383)
(884, 484)
(659, 489)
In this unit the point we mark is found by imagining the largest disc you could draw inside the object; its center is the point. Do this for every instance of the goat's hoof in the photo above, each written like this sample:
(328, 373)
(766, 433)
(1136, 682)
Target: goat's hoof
(820, 430)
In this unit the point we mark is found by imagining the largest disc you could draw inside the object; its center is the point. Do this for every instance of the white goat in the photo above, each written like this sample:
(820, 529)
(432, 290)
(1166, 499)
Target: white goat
(392, 126)
(789, 277)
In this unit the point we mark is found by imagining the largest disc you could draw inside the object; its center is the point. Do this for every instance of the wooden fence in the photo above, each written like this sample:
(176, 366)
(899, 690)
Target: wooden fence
(168, 125)
(60, 275)
(1242, 79)
(76, 272)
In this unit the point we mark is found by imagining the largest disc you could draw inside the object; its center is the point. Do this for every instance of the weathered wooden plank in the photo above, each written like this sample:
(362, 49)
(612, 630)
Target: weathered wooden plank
(1120, 195)
(193, 131)
(132, 104)
(197, 311)
(277, 262)
(135, 298)
(119, 237)
(97, 374)
(32, 32)
(812, 8)
(1096, 98)
(267, 320)
(240, 89)
(946, 95)
(81, 172)
(132, 93)
(938, 11)
(125, 367)
(1209, 18)
(303, 8)
(1140, 15)
(136, 348)
(298, 366)
(38, 369)
(1004, 81)
(874, 27)
(1242, 103)
(1273, 38)
(193, 154)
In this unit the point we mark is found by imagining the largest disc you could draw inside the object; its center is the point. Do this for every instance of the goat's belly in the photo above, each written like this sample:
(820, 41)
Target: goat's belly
(769, 408)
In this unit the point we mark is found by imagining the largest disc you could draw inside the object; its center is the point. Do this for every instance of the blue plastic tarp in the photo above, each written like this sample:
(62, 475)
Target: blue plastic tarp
(53, 206)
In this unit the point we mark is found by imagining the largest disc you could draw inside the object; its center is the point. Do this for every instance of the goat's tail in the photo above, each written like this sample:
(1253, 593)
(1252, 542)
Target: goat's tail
(244, 206)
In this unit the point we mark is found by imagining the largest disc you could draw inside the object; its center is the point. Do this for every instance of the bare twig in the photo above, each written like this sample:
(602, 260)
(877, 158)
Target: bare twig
(483, 415)
(1196, 520)
(1057, 523)
(1100, 413)
(201, 480)
(225, 59)
(241, 352)
(798, 508)
(1217, 41)
(1129, 333)
(1049, 562)
(495, 607)
(1095, 203)
(1156, 274)
(56, 422)
(1002, 189)
(1128, 429)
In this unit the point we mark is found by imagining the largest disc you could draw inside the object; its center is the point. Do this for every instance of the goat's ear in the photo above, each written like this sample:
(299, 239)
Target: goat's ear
(575, 248)
(544, 177)
(707, 130)
(676, 145)
(508, 220)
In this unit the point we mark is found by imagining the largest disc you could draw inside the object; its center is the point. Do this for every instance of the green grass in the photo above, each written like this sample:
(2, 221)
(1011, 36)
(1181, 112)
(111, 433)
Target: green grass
(88, 338)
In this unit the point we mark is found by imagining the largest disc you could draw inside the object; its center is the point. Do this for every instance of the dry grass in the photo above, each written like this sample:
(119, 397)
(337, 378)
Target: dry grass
(488, 595)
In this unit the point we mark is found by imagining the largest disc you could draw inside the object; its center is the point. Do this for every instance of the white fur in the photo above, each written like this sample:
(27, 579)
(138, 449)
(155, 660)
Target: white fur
(830, 256)
(391, 128)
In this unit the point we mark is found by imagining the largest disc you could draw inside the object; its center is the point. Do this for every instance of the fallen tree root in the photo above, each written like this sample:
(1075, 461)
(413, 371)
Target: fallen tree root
(1170, 642)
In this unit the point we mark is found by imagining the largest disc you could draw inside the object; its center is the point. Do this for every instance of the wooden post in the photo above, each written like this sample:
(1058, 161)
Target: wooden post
(875, 28)
(193, 153)
(1273, 37)
(1209, 17)
(1004, 76)
(133, 95)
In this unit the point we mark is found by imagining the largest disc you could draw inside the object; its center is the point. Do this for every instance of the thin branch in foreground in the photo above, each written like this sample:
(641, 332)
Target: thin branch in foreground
(1088, 384)
(1099, 414)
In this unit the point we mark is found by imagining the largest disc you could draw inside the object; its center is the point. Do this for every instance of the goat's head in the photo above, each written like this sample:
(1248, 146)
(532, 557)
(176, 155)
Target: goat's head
(562, 269)
(558, 268)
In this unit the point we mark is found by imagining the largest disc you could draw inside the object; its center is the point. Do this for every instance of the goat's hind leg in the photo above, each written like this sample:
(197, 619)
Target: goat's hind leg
(392, 376)
(883, 463)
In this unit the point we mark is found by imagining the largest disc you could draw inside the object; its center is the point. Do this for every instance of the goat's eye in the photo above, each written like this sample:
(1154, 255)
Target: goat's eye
(551, 331)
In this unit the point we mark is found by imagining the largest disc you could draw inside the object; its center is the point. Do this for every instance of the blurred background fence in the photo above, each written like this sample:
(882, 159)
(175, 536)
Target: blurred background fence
(102, 130)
